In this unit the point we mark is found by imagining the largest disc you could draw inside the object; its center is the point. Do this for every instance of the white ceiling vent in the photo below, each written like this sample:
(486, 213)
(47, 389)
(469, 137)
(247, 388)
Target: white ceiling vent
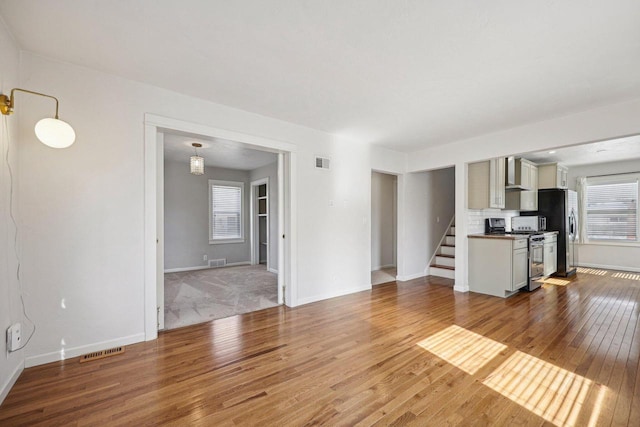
(323, 163)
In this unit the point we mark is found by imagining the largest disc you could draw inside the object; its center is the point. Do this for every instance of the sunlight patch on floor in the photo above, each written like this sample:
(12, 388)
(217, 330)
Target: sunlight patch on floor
(554, 281)
(548, 391)
(464, 349)
(629, 276)
(594, 271)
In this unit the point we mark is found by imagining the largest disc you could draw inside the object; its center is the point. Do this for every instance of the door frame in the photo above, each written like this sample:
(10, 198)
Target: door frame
(154, 126)
(255, 239)
(397, 238)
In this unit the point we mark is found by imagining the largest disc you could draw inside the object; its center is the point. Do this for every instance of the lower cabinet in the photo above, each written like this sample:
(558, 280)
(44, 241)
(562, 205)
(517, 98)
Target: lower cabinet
(550, 256)
(498, 266)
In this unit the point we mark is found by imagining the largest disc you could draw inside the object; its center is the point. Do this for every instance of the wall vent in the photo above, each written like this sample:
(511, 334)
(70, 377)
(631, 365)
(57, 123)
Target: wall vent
(101, 354)
(213, 263)
(323, 163)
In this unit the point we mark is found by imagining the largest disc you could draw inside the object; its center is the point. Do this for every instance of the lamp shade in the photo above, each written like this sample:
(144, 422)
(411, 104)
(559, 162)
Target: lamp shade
(197, 165)
(55, 133)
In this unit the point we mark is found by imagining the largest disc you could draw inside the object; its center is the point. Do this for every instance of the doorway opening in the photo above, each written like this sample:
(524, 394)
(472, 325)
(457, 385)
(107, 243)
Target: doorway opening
(384, 226)
(217, 235)
(222, 232)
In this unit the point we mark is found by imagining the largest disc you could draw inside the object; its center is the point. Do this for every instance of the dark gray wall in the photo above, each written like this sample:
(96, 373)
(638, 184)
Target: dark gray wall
(186, 221)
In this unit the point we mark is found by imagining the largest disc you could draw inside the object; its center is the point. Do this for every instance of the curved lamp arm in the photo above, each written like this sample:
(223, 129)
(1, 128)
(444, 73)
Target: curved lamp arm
(6, 104)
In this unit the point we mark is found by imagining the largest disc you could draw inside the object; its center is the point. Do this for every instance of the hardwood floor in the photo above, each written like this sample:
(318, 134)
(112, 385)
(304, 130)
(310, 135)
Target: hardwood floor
(413, 353)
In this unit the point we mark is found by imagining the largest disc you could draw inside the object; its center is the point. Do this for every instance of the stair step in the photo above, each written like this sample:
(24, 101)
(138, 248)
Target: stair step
(442, 272)
(446, 267)
(450, 240)
(452, 230)
(445, 261)
(447, 250)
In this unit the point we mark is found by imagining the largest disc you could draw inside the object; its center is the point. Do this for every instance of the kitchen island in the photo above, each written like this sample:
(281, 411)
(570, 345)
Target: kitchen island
(498, 263)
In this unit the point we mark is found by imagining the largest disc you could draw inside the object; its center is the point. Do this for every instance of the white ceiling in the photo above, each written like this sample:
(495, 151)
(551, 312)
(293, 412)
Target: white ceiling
(216, 152)
(596, 152)
(402, 74)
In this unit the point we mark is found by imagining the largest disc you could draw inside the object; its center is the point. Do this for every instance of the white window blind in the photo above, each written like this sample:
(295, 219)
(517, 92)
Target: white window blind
(612, 211)
(226, 211)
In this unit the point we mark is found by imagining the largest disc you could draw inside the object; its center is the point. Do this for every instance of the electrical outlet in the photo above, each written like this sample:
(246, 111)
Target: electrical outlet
(14, 337)
(205, 257)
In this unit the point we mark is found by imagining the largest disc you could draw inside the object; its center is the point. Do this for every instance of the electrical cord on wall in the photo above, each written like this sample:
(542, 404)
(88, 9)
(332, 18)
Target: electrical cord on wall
(15, 234)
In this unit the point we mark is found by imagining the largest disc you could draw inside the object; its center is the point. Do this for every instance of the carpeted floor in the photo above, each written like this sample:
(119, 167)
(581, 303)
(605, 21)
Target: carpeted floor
(202, 295)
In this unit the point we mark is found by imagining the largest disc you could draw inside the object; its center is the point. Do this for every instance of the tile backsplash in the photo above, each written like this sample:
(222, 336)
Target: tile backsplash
(476, 217)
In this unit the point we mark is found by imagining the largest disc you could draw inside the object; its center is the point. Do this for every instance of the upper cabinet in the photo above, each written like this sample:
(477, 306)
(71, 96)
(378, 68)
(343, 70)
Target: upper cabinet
(486, 184)
(552, 175)
(521, 185)
(521, 174)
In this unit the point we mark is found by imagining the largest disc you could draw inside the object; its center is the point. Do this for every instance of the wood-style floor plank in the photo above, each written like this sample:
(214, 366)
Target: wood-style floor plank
(397, 355)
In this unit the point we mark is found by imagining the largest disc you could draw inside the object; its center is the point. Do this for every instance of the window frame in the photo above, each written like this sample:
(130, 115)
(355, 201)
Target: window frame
(239, 184)
(609, 180)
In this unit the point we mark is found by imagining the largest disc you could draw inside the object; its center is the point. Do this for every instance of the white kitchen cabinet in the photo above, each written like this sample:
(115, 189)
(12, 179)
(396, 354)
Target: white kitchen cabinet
(552, 175)
(521, 174)
(498, 266)
(486, 184)
(519, 269)
(550, 256)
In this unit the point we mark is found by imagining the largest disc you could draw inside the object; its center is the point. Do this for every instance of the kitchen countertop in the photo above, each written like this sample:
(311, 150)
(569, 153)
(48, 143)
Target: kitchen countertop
(498, 236)
(507, 236)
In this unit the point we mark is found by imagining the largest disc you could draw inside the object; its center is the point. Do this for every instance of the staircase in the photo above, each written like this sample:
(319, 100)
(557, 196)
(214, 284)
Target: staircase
(443, 264)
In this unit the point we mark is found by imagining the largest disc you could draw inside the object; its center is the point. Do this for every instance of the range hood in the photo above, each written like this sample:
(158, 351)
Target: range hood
(512, 183)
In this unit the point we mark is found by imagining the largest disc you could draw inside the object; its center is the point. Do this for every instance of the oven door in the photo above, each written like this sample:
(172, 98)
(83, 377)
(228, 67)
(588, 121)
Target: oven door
(536, 260)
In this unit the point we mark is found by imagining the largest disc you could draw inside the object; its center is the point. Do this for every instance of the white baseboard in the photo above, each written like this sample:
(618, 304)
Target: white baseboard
(328, 295)
(610, 267)
(8, 384)
(68, 353)
(406, 277)
(461, 288)
(273, 270)
(205, 267)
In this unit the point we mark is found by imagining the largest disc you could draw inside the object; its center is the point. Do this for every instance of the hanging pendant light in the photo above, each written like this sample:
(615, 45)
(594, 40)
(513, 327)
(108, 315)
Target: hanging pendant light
(197, 162)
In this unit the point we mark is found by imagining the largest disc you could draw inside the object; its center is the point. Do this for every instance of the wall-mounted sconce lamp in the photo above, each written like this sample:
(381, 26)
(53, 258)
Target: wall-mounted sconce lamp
(52, 132)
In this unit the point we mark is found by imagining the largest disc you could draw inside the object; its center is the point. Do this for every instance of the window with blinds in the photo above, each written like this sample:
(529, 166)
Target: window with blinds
(612, 210)
(225, 210)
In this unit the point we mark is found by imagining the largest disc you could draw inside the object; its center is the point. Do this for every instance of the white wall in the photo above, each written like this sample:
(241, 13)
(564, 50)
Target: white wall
(84, 234)
(383, 220)
(587, 126)
(186, 219)
(607, 255)
(270, 171)
(10, 310)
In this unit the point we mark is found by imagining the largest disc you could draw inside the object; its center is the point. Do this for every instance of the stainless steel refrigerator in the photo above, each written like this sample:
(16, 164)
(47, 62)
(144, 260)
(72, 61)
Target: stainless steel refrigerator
(560, 207)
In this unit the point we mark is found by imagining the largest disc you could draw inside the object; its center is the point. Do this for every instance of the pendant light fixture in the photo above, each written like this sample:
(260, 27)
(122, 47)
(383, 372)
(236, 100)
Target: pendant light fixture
(197, 163)
(50, 131)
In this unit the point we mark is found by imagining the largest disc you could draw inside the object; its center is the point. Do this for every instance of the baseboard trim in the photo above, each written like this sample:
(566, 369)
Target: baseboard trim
(340, 293)
(609, 267)
(406, 277)
(273, 270)
(205, 267)
(461, 288)
(8, 385)
(68, 353)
